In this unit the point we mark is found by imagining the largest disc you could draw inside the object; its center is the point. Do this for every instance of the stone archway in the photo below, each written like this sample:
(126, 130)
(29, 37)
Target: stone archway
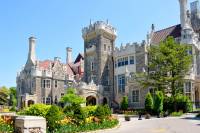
(105, 101)
(30, 102)
(91, 100)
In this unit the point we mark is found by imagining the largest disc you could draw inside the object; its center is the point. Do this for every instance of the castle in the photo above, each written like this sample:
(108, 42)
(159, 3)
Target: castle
(104, 73)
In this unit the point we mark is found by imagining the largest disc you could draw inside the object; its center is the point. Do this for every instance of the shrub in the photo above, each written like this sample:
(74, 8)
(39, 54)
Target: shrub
(158, 103)
(53, 117)
(168, 104)
(177, 114)
(102, 111)
(124, 103)
(79, 114)
(107, 111)
(72, 98)
(183, 103)
(89, 110)
(148, 102)
(36, 110)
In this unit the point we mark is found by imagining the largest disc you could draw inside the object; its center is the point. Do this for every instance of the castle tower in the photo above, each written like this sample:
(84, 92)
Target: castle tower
(99, 42)
(69, 55)
(195, 16)
(183, 14)
(31, 54)
(188, 36)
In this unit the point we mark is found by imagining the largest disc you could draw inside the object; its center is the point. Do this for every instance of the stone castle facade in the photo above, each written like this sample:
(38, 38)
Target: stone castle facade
(104, 74)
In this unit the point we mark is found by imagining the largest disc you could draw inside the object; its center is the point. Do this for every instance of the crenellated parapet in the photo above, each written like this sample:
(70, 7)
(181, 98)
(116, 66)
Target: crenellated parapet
(128, 48)
(99, 27)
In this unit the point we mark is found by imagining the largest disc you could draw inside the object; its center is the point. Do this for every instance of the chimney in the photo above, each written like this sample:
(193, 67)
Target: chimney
(183, 14)
(69, 55)
(32, 54)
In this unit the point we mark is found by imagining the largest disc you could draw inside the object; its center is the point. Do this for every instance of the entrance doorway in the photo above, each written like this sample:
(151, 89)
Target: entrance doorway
(30, 102)
(90, 101)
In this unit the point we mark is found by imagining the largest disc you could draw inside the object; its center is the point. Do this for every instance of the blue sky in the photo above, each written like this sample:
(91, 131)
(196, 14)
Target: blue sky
(57, 24)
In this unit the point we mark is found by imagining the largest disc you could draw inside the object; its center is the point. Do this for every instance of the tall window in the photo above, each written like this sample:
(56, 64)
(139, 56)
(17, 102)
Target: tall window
(188, 87)
(56, 83)
(122, 61)
(126, 60)
(109, 49)
(107, 80)
(43, 100)
(92, 66)
(46, 83)
(135, 96)
(104, 47)
(115, 64)
(121, 83)
(48, 100)
(131, 60)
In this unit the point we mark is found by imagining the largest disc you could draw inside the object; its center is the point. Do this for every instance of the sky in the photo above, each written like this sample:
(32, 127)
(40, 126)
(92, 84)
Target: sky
(57, 24)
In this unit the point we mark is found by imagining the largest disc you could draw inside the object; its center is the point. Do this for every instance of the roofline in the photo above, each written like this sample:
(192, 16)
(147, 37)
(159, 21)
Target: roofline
(167, 28)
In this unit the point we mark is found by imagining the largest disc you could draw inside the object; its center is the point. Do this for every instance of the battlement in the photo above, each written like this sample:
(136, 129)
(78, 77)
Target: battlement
(123, 47)
(99, 25)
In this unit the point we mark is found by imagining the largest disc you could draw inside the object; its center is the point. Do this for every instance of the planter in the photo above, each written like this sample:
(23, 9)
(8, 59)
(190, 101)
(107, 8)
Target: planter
(127, 118)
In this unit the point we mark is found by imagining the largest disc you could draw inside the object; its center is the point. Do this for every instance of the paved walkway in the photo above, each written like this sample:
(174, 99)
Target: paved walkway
(185, 124)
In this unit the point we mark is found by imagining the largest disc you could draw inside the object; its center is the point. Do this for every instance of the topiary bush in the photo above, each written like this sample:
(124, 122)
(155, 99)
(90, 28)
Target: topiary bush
(53, 117)
(158, 103)
(148, 103)
(124, 103)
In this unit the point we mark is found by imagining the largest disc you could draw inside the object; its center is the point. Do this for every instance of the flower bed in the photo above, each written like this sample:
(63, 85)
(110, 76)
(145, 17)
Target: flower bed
(73, 118)
(6, 126)
(71, 128)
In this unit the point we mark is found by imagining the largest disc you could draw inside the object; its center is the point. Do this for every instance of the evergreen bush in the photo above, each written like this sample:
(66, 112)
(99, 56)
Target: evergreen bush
(124, 103)
(158, 103)
(148, 103)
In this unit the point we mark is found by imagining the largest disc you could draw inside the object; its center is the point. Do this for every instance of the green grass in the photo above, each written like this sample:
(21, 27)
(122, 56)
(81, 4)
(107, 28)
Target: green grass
(177, 114)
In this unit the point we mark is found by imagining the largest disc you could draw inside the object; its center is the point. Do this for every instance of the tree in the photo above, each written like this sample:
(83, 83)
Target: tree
(148, 102)
(4, 95)
(169, 61)
(158, 103)
(72, 98)
(13, 97)
(124, 103)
